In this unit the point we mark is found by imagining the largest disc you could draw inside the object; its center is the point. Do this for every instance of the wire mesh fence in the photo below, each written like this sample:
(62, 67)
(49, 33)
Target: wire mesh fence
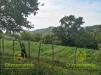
(42, 64)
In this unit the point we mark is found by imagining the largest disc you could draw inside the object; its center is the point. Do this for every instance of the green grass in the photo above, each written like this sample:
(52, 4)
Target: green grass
(63, 54)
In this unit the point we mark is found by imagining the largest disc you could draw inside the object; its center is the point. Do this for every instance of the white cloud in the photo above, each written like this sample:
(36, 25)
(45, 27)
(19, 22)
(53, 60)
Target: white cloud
(50, 14)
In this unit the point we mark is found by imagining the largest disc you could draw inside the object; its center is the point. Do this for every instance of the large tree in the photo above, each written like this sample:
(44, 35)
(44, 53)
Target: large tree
(14, 13)
(70, 25)
(13, 16)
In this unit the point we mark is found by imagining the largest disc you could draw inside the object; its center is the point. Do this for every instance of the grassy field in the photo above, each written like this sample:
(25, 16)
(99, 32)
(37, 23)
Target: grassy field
(62, 54)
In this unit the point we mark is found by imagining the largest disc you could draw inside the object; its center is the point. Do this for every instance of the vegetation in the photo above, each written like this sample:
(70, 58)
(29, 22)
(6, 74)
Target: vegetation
(63, 56)
(68, 49)
(14, 13)
(84, 38)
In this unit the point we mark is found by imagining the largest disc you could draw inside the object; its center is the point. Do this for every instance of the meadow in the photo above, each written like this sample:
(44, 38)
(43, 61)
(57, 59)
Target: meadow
(63, 55)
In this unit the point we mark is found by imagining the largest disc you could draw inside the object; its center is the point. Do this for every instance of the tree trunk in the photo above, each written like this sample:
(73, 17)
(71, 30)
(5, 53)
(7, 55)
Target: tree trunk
(13, 44)
(52, 52)
(38, 65)
(0, 48)
(39, 52)
(75, 59)
(29, 49)
(13, 47)
(3, 45)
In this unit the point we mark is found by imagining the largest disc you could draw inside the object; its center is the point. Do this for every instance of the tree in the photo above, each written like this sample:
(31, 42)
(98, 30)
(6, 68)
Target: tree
(47, 38)
(70, 25)
(37, 37)
(14, 13)
(26, 36)
(1, 34)
(85, 40)
(59, 32)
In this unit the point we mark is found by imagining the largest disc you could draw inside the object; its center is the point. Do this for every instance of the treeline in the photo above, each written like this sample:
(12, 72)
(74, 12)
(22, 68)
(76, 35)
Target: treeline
(69, 33)
(83, 38)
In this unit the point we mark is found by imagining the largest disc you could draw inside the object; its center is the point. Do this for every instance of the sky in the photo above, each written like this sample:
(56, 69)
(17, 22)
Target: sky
(53, 10)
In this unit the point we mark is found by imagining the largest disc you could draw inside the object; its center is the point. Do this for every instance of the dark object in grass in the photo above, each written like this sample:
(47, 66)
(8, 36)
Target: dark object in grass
(23, 51)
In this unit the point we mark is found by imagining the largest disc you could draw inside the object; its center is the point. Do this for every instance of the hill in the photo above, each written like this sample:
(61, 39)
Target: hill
(49, 29)
(44, 30)
(94, 28)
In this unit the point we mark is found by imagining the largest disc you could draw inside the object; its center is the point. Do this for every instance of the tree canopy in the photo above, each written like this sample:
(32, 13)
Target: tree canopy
(70, 25)
(71, 33)
(14, 13)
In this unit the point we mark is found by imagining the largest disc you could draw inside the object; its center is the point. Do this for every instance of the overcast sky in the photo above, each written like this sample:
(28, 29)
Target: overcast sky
(54, 10)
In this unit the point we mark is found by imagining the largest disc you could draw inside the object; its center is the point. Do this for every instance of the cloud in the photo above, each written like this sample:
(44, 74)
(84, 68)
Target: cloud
(54, 10)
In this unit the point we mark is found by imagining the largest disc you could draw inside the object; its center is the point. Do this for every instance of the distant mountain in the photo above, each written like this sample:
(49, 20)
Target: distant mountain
(49, 29)
(43, 31)
(94, 28)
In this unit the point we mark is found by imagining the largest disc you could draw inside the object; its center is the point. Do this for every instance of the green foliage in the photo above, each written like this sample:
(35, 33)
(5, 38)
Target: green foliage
(99, 46)
(93, 28)
(85, 40)
(48, 38)
(70, 25)
(37, 37)
(1, 33)
(98, 61)
(63, 56)
(72, 34)
(85, 37)
(27, 36)
(43, 31)
(14, 13)
(62, 53)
